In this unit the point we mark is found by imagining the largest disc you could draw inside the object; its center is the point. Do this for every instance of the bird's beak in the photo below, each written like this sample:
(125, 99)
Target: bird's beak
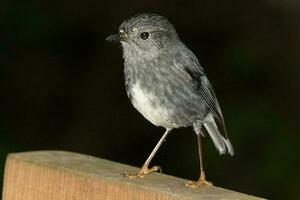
(122, 36)
(113, 38)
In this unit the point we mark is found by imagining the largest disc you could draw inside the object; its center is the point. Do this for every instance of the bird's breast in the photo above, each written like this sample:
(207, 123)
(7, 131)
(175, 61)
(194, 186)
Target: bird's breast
(161, 93)
(146, 102)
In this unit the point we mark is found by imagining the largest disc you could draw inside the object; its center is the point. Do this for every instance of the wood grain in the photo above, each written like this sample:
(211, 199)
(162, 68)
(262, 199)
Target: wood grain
(58, 175)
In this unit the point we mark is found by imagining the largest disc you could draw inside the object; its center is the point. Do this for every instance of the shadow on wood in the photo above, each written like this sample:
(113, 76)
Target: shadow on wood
(58, 175)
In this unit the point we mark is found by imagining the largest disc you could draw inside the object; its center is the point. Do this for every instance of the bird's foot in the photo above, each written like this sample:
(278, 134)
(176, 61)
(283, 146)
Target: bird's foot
(144, 171)
(199, 183)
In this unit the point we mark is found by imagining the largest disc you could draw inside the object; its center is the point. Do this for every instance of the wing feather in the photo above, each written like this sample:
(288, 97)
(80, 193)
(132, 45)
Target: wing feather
(202, 86)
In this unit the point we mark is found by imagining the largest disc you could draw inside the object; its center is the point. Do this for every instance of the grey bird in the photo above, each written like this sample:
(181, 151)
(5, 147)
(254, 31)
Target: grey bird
(167, 85)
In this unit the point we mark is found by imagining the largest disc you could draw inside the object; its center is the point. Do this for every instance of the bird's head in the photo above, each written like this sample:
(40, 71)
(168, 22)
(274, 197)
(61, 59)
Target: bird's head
(145, 34)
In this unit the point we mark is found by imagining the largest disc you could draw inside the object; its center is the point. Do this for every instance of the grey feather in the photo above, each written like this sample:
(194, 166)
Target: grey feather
(222, 144)
(201, 84)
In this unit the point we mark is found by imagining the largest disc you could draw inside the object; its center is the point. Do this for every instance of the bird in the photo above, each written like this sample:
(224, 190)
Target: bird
(166, 83)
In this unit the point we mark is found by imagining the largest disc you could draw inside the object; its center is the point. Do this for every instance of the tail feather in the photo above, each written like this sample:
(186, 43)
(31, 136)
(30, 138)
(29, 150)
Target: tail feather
(228, 146)
(222, 144)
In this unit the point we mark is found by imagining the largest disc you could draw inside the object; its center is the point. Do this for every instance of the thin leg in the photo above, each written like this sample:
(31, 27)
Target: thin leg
(145, 170)
(202, 181)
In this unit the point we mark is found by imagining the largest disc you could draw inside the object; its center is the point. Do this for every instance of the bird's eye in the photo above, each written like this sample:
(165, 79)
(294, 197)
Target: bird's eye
(145, 35)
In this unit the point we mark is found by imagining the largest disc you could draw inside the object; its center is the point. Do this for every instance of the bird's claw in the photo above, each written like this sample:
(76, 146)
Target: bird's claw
(199, 183)
(144, 171)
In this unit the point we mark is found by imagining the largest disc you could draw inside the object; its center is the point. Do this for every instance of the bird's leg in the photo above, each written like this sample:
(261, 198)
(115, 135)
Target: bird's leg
(202, 181)
(145, 170)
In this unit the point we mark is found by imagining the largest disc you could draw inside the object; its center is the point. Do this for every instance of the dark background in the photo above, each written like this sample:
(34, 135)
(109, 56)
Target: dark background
(62, 87)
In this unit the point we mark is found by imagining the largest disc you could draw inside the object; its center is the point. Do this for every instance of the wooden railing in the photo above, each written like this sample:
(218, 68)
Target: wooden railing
(58, 175)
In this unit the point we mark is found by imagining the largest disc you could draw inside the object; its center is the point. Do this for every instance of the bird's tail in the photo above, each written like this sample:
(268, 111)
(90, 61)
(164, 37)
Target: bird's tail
(222, 144)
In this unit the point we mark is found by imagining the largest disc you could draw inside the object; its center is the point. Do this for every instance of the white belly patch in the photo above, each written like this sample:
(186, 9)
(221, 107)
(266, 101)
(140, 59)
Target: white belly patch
(143, 100)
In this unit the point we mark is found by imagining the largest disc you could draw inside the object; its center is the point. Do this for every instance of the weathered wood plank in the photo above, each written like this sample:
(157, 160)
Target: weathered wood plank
(58, 175)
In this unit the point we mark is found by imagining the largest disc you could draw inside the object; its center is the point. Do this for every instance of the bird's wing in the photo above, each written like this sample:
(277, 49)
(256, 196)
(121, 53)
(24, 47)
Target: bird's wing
(201, 84)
